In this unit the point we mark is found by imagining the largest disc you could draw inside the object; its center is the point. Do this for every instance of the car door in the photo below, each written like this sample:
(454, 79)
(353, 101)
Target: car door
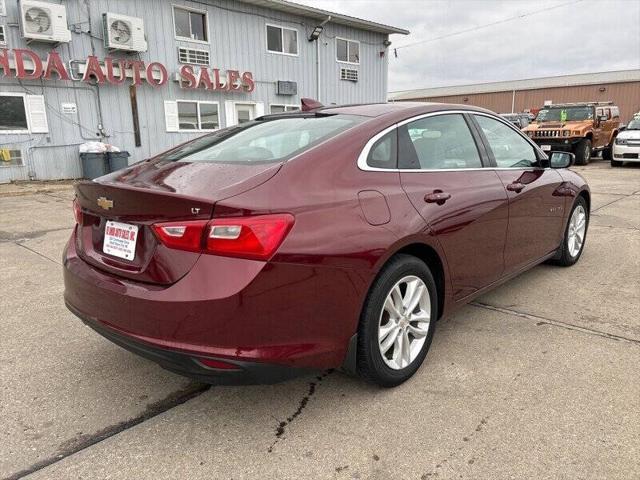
(464, 204)
(536, 209)
(598, 129)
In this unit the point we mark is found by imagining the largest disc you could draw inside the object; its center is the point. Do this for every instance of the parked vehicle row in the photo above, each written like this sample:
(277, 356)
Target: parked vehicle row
(330, 237)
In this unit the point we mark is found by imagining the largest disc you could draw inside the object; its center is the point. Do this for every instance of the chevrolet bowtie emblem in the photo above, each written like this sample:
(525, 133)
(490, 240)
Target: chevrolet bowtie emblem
(105, 203)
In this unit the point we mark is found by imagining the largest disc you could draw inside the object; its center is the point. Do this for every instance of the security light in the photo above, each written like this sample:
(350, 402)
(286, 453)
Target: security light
(315, 34)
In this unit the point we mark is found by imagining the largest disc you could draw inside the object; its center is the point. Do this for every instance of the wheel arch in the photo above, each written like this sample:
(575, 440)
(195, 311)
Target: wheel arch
(430, 256)
(436, 263)
(587, 198)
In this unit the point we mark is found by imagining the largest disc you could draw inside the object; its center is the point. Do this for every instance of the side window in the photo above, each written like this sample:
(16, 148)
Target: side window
(438, 142)
(383, 153)
(509, 148)
(615, 112)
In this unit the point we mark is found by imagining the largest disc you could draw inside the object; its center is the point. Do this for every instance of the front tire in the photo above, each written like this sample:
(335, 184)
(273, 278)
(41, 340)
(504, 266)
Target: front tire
(397, 322)
(616, 163)
(575, 235)
(583, 152)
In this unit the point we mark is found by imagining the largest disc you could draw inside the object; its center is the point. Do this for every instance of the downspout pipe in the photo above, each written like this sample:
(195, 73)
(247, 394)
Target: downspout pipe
(324, 22)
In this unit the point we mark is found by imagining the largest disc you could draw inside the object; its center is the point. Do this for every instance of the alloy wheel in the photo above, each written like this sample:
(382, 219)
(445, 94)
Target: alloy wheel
(404, 322)
(577, 228)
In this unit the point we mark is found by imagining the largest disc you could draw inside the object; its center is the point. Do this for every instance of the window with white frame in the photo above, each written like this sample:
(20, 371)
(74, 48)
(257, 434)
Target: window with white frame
(347, 51)
(190, 24)
(188, 115)
(10, 157)
(3, 8)
(281, 108)
(3, 35)
(282, 40)
(21, 113)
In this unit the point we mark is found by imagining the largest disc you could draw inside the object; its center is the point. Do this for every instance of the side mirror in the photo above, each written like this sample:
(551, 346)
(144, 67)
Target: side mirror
(561, 159)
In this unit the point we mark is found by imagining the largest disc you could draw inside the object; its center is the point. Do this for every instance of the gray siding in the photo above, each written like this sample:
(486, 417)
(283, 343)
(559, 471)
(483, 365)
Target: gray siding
(237, 34)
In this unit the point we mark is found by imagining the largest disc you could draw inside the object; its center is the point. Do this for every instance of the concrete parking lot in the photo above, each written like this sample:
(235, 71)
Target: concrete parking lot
(537, 379)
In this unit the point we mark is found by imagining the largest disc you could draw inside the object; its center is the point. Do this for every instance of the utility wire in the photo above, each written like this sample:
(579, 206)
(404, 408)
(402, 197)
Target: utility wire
(486, 25)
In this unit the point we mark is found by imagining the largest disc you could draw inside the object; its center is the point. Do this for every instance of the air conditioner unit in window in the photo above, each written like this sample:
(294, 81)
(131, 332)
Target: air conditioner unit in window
(349, 74)
(122, 32)
(43, 22)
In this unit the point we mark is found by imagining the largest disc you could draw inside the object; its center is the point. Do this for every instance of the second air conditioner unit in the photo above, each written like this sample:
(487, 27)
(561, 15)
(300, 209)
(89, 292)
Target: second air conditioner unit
(122, 32)
(43, 22)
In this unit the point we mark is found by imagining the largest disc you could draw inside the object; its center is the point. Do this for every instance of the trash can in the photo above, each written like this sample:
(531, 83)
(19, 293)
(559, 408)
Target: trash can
(117, 160)
(94, 165)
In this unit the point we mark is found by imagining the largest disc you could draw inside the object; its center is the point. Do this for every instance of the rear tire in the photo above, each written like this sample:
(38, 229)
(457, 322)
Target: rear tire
(570, 252)
(583, 152)
(387, 326)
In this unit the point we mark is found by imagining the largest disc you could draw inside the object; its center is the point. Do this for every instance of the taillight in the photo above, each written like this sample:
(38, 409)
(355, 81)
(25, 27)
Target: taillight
(256, 237)
(77, 211)
(181, 235)
(248, 237)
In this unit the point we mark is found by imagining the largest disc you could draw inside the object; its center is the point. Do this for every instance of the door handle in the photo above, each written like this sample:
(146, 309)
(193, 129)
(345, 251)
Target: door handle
(438, 196)
(515, 187)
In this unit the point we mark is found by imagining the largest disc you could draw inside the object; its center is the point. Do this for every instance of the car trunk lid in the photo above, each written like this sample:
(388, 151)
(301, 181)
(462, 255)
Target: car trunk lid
(152, 192)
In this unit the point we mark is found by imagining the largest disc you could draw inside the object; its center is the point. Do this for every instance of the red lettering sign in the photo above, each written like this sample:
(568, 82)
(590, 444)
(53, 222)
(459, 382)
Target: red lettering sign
(155, 73)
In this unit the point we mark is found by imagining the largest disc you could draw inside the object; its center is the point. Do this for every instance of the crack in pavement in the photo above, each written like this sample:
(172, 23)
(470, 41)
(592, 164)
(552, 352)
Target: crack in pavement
(557, 323)
(624, 195)
(468, 438)
(280, 429)
(38, 253)
(82, 442)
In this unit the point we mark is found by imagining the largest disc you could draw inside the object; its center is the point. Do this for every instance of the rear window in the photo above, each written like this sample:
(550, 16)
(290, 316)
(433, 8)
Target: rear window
(273, 140)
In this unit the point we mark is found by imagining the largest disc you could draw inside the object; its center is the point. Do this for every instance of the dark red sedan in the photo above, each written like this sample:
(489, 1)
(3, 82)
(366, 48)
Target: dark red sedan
(332, 237)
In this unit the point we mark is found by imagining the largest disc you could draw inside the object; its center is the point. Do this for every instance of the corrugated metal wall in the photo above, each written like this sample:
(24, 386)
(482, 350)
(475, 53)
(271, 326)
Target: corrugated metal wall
(237, 41)
(625, 95)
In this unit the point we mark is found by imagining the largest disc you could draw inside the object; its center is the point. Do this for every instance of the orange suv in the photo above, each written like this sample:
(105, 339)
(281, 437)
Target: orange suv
(581, 128)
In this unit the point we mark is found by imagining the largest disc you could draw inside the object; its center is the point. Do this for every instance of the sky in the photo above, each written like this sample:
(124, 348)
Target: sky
(561, 37)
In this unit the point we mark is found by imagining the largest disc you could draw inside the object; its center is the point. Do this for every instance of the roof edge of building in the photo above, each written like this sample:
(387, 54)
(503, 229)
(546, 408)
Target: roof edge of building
(320, 14)
(613, 76)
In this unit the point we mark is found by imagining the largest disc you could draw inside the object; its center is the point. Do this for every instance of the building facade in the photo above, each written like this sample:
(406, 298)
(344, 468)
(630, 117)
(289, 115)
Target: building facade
(145, 75)
(620, 87)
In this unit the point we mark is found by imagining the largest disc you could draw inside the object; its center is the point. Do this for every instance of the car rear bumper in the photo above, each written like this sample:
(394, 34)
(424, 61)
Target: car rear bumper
(238, 373)
(259, 316)
(626, 153)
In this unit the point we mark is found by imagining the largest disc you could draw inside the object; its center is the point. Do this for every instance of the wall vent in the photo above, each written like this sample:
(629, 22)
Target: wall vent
(193, 56)
(350, 74)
